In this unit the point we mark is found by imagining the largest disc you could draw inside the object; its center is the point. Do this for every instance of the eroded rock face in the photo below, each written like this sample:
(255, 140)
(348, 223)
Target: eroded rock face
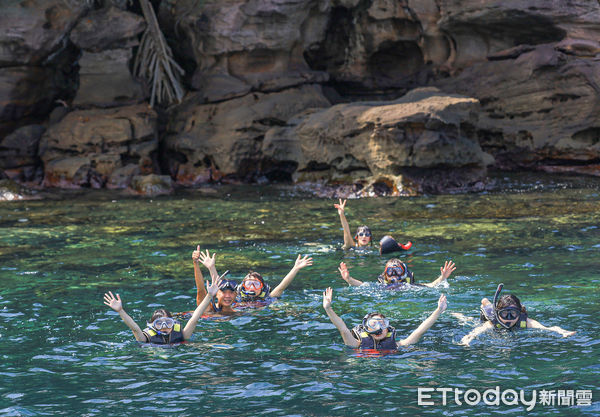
(107, 28)
(28, 94)
(482, 29)
(256, 45)
(212, 141)
(19, 153)
(367, 50)
(400, 143)
(105, 79)
(33, 72)
(90, 148)
(520, 82)
(384, 48)
(539, 104)
(107, 37)
(33, 30)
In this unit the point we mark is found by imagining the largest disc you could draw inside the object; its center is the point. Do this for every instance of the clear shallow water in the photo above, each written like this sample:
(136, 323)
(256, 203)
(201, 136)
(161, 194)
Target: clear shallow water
(65, 353)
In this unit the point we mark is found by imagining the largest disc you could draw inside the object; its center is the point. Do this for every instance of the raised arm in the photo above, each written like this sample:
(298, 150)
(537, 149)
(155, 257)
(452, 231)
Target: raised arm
(467, 339)
(116, 304)
(346, 276)
(300, 263)
(349, 340)
(189, 328)
(209, 262)
(534, 324)
(198, 277)
(417, 334)
(348, 241)
(445, 271)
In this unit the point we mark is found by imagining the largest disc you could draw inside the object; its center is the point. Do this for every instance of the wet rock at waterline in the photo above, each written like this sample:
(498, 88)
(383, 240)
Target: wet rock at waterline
(151, 185)
(87, 147)
(11, 191)
(19, 154)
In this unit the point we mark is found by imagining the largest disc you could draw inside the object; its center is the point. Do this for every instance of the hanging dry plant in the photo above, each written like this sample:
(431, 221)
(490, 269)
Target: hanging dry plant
(154, 61)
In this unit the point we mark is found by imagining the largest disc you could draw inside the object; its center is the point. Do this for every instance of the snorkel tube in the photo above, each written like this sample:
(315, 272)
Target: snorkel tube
(496, 297)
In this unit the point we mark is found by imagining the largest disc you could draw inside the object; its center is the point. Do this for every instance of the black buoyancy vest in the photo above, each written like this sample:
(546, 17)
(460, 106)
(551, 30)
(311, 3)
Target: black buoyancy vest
(176, 336)
(367, 342)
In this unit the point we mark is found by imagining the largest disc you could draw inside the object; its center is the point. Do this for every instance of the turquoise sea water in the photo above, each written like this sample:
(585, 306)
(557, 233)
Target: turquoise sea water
(65, 353)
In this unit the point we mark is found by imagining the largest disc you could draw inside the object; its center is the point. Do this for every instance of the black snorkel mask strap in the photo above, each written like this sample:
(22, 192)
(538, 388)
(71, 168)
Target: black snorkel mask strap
(496, 297)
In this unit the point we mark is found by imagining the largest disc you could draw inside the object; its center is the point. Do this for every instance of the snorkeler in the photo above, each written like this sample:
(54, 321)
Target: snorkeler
(396, 275)
(254, 288)
(507, 312)
(363, 233)
(252, 291)
(375, 331)
(162, 328)
(226, 294)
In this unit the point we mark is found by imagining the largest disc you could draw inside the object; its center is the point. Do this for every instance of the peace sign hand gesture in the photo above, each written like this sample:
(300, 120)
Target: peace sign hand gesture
(341, 206)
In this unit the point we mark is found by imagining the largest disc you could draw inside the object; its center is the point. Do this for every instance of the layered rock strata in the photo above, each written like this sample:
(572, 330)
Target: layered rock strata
(302, 90)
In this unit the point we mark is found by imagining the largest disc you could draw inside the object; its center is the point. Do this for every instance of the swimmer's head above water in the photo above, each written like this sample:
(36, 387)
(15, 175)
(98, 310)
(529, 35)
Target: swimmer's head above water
(376, 324)
(227, 292)
(253, 286)
(162, 321)
(507, 308)
(363, 236)
(396, 271)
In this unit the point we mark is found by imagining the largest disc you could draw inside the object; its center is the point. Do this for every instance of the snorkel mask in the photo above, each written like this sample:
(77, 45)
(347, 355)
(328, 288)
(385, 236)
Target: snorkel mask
(227, 284)
(375, 323)
(396, 273)
(507, 313)
(162, 323)
(252, 286)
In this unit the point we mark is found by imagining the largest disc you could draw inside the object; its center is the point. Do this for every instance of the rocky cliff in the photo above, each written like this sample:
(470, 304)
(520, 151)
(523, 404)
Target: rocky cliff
(396, 97)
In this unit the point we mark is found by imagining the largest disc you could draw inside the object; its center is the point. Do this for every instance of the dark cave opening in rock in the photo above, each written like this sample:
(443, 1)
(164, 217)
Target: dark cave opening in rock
(331, 53)
(395, 64)
(395, 67)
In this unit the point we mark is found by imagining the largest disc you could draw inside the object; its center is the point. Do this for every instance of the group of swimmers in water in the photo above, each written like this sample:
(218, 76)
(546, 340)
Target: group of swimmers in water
(224, 297)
